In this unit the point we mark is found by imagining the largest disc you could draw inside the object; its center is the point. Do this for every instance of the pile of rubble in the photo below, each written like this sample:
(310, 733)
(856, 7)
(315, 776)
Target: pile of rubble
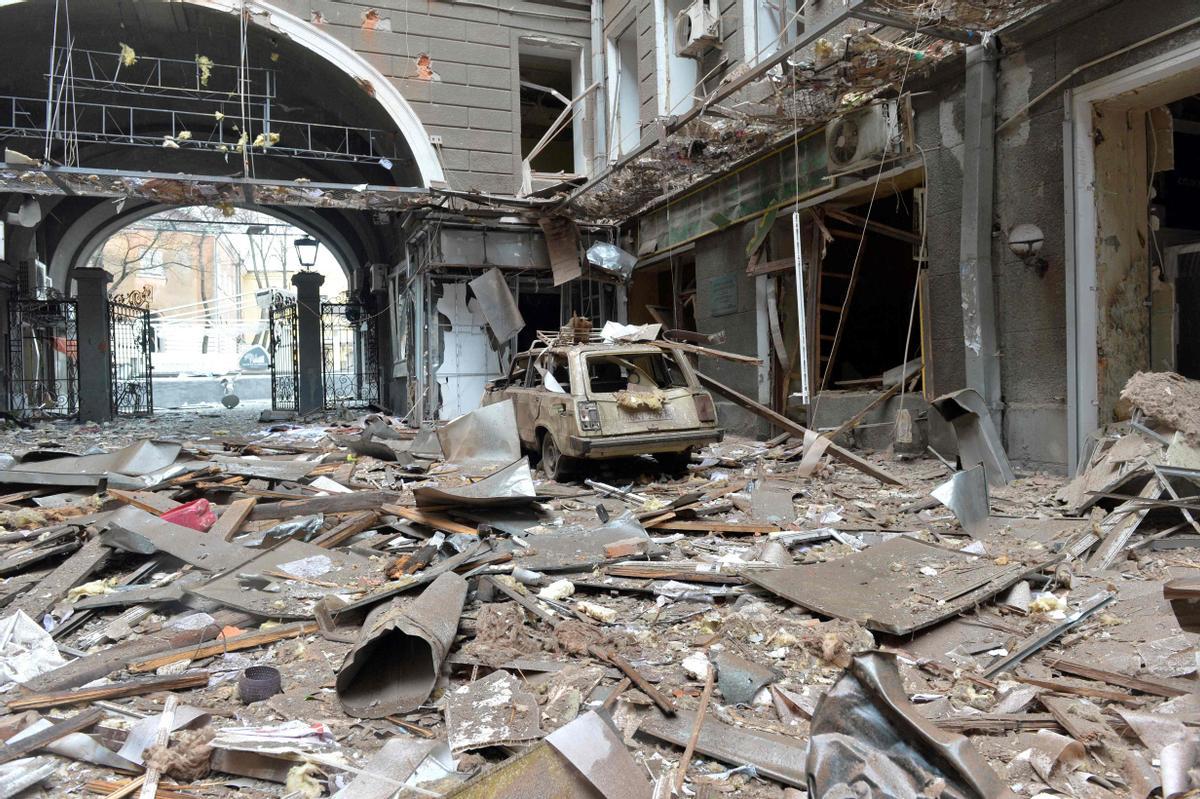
(367, 611)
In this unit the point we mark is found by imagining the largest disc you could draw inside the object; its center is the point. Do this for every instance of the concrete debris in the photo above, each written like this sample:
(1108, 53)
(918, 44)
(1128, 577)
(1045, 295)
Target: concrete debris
(485, 628)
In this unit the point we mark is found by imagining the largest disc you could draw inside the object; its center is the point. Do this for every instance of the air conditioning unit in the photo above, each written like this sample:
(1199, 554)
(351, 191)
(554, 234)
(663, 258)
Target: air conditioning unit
(697, 28)
(864, 136)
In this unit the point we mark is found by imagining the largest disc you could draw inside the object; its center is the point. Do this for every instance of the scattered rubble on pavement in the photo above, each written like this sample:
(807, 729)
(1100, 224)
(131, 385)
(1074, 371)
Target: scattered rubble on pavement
(267, 611)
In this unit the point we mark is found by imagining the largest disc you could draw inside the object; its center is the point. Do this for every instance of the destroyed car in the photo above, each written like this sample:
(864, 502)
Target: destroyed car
(595, 401)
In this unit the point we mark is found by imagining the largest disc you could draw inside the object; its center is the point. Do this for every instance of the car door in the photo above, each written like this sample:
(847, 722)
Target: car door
(524, 397)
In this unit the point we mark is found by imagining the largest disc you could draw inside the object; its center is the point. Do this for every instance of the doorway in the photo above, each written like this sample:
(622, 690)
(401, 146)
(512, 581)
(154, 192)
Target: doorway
(1128, 202)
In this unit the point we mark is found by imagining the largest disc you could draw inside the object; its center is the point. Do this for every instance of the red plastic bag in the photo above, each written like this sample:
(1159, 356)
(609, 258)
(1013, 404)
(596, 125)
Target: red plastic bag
(198, 515)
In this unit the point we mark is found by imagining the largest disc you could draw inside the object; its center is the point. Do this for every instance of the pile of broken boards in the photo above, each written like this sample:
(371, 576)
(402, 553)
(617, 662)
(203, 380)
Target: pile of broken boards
(445, 624)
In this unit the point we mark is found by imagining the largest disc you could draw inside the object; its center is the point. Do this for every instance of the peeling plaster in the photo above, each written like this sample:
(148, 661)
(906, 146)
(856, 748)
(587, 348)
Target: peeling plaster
(952, 138)
(1016, 80)
(317, 18)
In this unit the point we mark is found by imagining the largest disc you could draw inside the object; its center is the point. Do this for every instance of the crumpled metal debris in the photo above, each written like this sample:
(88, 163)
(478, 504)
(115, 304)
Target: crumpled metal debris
(139, 465)
(512, 485)
(482, 437)
(394, 666)
(869, 741)
(978, 441)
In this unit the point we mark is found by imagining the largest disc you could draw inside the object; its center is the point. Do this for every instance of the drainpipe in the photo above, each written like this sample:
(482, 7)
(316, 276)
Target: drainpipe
(600, 96)
(975, 263)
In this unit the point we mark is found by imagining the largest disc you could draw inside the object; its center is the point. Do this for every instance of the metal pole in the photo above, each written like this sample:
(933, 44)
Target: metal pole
(801, 311)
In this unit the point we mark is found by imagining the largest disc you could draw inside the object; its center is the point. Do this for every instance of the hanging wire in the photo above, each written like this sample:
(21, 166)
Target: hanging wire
(863, 237)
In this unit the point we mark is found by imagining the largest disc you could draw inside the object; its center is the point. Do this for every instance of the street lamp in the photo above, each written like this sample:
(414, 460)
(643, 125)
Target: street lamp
(306, 251)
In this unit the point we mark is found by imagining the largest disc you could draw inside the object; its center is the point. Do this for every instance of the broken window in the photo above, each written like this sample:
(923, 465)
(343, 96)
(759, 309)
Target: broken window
(643, 371)
(677, 74)
(624, 103)
(551, 137)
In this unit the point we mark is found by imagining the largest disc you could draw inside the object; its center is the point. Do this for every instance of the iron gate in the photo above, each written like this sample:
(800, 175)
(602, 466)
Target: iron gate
(43, 354)
(131, 347)
(350, 355)
(285, 354)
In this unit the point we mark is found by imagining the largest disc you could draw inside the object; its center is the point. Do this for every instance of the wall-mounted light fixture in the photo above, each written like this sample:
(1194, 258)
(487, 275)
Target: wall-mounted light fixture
(306, 251)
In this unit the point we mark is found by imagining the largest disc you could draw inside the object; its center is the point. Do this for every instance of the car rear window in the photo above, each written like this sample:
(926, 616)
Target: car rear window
(608, 374)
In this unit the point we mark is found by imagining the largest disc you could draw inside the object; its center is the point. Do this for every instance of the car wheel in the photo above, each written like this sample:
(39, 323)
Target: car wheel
(554, 463)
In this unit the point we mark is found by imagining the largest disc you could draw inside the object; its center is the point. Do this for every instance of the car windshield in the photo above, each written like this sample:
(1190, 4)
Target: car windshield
(609, 373)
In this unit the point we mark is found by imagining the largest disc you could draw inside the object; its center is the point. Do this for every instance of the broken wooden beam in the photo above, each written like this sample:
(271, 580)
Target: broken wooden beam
(248, 640)
(351, 527)
(717, 526)
(841, 453)
(434, 520)
(1145, 684)
(32, 743)
(55, 585)
(335, 503)
(116, 690)
(149, 501)
(626, 668)
(235, 514)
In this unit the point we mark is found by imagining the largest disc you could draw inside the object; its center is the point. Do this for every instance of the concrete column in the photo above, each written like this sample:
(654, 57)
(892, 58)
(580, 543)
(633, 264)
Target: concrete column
(8, 285)
(975, 264)
(95, 357)
(310, 386)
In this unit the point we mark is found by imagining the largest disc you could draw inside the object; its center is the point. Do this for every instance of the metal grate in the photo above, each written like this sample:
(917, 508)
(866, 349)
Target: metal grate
(350, 355)
(285, 354)
(131, 347)
(42, 364)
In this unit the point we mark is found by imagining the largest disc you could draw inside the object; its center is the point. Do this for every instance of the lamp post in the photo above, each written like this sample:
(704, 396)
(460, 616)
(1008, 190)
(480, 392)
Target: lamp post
(306, 251)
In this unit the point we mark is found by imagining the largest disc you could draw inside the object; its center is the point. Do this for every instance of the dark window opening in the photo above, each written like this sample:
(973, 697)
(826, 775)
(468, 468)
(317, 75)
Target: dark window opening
(608, 374)
(546, 88)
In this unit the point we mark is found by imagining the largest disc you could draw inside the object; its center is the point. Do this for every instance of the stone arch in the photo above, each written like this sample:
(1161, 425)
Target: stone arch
(91, 229)
(350, 62)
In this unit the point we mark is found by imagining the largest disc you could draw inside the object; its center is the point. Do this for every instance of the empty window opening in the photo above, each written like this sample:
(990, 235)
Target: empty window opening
(624, 102)
(769, 25)
(677, 74)
(608, 374)
(872, 307)
(548, 84)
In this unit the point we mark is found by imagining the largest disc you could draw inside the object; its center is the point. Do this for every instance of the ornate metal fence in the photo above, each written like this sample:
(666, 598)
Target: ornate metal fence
(285, 354)
(350, 355)
(43, 357)
(131, 348)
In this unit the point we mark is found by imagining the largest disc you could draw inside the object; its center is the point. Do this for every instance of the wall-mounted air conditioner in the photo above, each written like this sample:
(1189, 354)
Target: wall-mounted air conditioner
(698, 28)
(864, 136)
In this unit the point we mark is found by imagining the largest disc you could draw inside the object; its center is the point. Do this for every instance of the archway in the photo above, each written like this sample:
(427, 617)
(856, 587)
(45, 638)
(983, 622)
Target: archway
(192, 291)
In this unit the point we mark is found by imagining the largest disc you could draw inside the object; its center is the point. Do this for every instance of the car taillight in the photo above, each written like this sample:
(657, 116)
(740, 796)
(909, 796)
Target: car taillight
(589, 416)
(705, 409)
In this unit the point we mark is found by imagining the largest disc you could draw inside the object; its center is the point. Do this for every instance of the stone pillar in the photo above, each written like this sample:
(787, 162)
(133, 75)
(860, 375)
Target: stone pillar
(92, 334)
(310, 385)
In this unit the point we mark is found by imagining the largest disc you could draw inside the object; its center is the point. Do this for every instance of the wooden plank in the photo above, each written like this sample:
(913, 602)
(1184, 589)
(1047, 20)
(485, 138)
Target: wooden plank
(1147, 685)
(717, 526)
(841, 453)
(433, 520)
(117, 690)
(248, 640)
(162, 736)
(1061, 687)
(707, 352)
(230, 522)
(31, 743)
(347, 529)
(335, 503)
(72, 571)
(148, 501)
(855, 420)
(998, 722)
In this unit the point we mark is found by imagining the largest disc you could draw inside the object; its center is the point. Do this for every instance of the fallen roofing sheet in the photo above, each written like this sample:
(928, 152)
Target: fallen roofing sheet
(512, 485)
(493, 711)
(898, 587)
(134, 530)
(287, 581)
(486, 435)
(579, 550)
(122, 469)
